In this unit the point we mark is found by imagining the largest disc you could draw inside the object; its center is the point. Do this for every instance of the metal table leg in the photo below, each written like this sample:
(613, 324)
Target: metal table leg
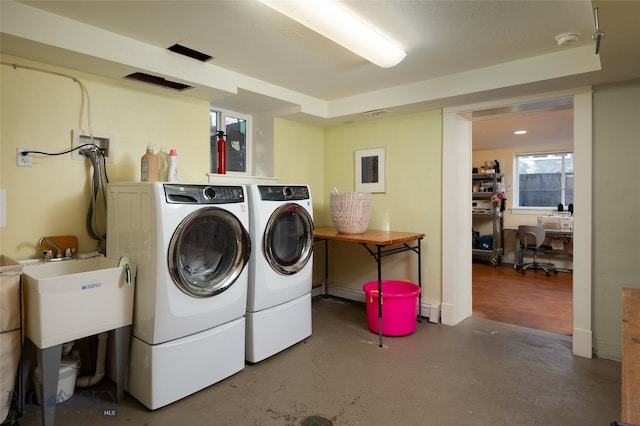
(326, 268)
(379, 261)
(49, 363)
(419, 280)
(377, 255)
(25, 360)
(122, 338)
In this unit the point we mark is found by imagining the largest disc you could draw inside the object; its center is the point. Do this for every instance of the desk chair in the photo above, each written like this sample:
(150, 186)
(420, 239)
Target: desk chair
(531, 238)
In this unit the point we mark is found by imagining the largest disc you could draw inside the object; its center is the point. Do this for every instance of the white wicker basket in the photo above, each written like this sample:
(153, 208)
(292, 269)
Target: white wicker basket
(350, 211)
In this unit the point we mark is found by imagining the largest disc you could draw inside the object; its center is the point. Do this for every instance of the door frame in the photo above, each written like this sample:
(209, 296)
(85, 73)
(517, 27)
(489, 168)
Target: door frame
(456, 208)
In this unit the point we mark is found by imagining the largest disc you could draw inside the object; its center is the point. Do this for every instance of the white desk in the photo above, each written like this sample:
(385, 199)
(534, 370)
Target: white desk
(550, 233)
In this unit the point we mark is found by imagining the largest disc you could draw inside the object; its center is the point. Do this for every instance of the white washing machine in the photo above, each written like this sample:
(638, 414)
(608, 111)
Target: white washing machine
(280, 269)
(191, 245)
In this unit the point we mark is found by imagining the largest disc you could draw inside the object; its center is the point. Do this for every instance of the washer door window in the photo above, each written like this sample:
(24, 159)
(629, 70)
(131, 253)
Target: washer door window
(288, 239)
(207, 252)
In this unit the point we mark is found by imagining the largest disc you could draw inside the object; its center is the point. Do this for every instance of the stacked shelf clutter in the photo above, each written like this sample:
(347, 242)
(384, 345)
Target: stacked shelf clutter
(487, 214)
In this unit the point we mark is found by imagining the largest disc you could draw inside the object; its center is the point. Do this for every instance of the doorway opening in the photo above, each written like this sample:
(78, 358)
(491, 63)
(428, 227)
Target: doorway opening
(533, 132)
(456, 224)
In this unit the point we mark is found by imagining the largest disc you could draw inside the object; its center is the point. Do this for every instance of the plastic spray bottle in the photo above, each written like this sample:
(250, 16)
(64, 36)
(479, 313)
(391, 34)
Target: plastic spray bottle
(149, 171)
(163, 164)
(173, 166)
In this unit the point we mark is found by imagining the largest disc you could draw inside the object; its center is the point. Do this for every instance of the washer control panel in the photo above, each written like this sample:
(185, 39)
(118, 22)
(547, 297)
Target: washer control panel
(203, 194)
(283, 192)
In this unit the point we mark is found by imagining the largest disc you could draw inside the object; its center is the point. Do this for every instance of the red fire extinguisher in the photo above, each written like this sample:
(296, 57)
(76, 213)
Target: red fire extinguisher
(222, 154)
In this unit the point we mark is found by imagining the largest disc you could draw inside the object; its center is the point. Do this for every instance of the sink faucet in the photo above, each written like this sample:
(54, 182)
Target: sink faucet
(47, 254)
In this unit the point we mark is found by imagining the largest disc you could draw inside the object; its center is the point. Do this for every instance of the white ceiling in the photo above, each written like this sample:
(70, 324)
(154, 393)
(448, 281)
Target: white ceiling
(551, 127)
(458, 52)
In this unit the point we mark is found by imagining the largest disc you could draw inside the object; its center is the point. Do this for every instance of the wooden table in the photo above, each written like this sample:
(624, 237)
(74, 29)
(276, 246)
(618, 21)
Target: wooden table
(386, 243)
(631, 355)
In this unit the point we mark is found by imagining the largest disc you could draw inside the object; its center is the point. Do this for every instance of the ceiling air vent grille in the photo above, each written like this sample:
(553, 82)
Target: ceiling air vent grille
(375, 112)
(157, 81)
(194, 54)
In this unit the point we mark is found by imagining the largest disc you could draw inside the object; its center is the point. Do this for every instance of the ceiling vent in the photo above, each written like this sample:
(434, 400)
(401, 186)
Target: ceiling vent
(193, 54)
(157, 81)
(376, 112)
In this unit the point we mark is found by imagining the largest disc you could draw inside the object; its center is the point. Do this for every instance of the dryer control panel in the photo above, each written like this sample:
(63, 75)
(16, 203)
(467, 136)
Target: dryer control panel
(284, 192)
(203, 194)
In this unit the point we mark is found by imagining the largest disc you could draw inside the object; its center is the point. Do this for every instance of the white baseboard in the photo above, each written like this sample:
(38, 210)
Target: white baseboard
(429, 310)
(582, 346)
(316, 290)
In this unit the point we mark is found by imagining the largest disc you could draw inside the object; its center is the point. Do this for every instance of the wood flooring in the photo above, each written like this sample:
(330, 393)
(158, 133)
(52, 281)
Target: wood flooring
(532, 300)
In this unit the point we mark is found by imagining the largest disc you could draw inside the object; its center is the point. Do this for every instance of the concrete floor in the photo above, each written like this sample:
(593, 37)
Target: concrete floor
(477, 373)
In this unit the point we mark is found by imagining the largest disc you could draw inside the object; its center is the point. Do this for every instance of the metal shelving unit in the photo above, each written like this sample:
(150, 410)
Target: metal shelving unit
(486, 186)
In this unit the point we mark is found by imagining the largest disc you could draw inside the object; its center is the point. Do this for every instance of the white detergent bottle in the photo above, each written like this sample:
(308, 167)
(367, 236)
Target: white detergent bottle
(163, 164)
(173, 166)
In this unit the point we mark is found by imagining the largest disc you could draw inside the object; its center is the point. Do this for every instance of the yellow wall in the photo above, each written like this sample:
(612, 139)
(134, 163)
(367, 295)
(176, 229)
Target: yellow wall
(39, 111)
(299, 156)
(411, 203)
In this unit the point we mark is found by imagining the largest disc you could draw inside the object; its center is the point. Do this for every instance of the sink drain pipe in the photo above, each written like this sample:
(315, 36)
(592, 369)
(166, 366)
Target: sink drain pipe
(86, 381)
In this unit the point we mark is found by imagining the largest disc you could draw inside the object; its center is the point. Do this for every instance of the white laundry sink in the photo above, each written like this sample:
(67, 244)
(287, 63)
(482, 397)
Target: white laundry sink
(71, 299)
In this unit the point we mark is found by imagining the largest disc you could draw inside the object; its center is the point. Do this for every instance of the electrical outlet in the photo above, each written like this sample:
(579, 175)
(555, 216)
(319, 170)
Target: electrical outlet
(23, 160)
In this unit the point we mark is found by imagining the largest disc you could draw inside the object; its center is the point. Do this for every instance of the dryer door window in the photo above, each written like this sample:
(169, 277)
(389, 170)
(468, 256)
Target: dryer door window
(207, 252)
(288, 239)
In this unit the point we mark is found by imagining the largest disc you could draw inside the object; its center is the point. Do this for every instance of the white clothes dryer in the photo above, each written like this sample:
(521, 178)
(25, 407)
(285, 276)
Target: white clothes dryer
(280, 269)
(191, 245)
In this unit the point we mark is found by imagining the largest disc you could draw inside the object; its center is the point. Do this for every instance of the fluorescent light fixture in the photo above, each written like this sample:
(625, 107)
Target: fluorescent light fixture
(332, 21)
(520, 132)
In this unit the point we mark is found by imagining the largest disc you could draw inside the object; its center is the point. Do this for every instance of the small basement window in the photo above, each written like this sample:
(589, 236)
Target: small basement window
(236, 128)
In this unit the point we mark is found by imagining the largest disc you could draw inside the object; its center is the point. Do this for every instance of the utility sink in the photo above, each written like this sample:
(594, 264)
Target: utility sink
(71, 299)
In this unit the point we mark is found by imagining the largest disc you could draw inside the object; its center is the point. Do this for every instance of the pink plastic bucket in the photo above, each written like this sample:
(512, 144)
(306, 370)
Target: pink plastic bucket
(399, 307)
